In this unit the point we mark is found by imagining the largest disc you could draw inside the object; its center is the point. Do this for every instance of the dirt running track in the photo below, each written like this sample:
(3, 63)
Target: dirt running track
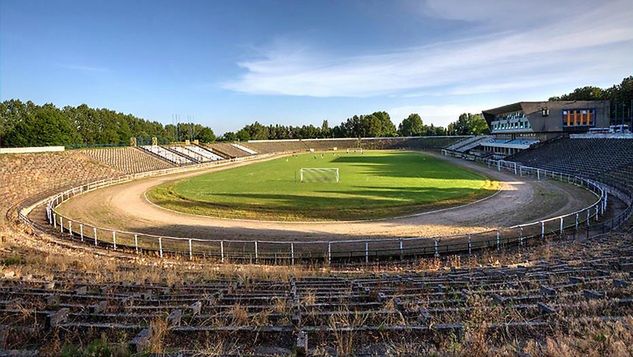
(520, 200)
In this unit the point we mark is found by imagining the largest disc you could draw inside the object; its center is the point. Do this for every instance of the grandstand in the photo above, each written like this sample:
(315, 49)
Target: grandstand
(409, 143)
(582, 157)
(127, 160)
(205, 154)
(244, 148)
(301, 145)
(272, 146)
(586, 290)
(168, 155)
(195, 153)
(227, 150)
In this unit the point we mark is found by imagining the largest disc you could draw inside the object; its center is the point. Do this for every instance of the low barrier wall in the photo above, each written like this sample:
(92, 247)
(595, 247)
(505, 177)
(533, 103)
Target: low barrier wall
(31, 150)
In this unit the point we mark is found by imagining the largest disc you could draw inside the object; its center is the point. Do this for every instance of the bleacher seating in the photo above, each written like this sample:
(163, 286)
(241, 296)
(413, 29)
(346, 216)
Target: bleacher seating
(326, 145)
(167, 155)
(273, 146)
(408, 143)
(28, 176)
(227, 150)
(195, 153)
(207, 154)
(128, 160)
(582, 157)
(577, 283)
(458, 145)
(621, 177)
(244, 148)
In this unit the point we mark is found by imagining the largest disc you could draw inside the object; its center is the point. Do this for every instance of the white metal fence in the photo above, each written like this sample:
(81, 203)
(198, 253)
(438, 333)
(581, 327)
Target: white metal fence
(291, 252)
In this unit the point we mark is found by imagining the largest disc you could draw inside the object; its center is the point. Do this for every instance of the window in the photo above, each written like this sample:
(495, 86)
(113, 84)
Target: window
(579, 118)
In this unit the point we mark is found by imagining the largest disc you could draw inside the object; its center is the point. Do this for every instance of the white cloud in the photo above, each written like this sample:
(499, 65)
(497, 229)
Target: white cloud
(571, 39)
(84, 68)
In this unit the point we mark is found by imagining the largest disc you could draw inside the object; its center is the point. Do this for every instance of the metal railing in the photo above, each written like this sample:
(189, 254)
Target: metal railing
(328, 251)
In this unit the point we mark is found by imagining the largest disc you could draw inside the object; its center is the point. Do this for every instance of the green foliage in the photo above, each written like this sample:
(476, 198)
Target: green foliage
(28, 124)
(412, 126)
(469, 124)
(97, 348)
(205, 135)
(377, 124)
(13, 260)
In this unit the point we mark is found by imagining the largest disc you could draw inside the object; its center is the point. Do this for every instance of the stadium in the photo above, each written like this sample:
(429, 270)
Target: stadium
(353, 178)
(305, 247)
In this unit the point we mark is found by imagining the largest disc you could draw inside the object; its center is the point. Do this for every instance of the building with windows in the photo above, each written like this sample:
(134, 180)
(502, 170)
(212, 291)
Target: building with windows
(518, 126)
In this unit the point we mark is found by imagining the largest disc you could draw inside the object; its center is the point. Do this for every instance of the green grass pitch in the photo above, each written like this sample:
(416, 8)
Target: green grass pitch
(373, 184)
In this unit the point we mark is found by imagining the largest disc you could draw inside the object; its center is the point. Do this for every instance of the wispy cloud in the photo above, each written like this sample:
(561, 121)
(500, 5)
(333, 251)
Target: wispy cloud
(569, 38)
(84, 68)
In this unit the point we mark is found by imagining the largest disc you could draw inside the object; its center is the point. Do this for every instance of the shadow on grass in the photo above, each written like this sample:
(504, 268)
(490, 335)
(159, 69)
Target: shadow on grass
(406, 164)
(369, 203)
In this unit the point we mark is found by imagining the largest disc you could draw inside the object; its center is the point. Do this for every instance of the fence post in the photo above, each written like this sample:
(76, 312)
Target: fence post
(588, 217)
(114, 239)
(54, 220)
(81, 231)
(160, 246)
(366, 252)
(94, 231)
(329, 253)
(597, 217)
(292, 253)
(576, 221)
(401, 250)
(521, 236)
(498, 165)
(498, 240)
(61, 225)
(437, 252)
(561, 226)
(190, 251)
(222, 251)
(470, 245)
(538, 174)
(136, 243)
(542, 230)
(256, 255)
(70, 228)
(515, 168)
(521, 171)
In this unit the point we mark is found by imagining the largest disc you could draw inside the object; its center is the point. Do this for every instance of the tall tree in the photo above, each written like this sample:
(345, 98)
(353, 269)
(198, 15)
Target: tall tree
(411, 126)
(469, 124)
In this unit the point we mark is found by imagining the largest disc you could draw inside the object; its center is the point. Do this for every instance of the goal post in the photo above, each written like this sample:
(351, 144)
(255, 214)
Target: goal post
(319, 174)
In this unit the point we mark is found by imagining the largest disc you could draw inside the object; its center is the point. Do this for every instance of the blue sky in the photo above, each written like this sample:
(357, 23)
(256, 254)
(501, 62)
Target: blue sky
(229, 63)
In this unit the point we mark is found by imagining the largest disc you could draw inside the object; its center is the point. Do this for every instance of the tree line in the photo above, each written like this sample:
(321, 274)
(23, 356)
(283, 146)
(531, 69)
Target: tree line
(377, 124)
(29, 124)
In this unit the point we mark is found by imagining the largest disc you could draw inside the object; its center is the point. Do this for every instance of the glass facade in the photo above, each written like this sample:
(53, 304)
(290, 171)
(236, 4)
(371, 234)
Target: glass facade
(573, 118)
(511, 122)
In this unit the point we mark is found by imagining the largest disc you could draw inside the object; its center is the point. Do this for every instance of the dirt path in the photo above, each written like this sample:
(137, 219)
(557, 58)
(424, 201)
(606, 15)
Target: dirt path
(520, 200)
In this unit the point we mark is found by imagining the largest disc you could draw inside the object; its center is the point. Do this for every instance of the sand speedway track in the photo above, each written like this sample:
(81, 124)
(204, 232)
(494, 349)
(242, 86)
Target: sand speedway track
(520, 199)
